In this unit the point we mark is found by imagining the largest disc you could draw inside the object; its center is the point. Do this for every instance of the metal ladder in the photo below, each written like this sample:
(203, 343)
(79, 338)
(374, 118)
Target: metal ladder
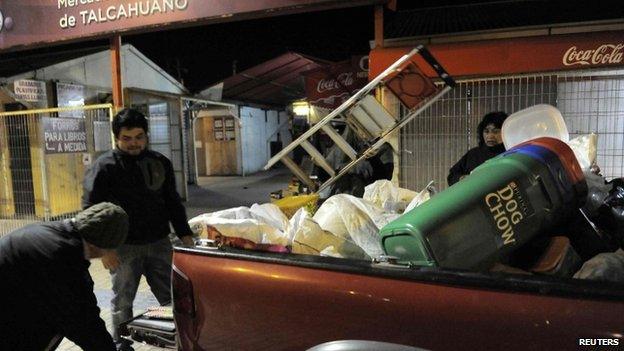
(367, 117)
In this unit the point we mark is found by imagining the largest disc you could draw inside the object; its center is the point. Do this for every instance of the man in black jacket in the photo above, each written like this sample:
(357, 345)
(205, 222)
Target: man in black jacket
(142, 182)
(46, 290)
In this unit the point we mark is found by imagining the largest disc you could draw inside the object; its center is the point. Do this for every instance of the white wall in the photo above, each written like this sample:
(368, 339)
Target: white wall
(141, 72)
(95, 70)
(92, 70)
(259, 127)
(253, 139)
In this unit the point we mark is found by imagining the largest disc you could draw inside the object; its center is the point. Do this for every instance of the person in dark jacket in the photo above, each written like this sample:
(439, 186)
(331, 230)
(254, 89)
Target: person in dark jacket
(490, 145)
(142, 182)
(46, 290)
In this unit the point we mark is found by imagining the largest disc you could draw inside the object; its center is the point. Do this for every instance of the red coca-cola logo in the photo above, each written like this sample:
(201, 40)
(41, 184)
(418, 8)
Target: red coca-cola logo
(343, 80)
(604, 54)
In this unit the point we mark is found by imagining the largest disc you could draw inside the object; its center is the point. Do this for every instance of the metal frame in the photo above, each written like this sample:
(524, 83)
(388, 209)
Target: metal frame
(43, 168)
(324, 125)
(590, 101)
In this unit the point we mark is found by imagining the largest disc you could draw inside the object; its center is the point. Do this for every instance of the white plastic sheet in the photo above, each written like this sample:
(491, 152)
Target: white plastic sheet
(270, 214)
(262, 224)
(385, 194)
(249, 229)
(422, 197)
(349, 217)
(308, 237)
(241, 212)
(584, 147)
(344, 226)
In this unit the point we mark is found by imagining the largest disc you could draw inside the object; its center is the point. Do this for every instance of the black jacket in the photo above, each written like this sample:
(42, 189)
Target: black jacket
(144, 186)
(471, 160)
(46, 290)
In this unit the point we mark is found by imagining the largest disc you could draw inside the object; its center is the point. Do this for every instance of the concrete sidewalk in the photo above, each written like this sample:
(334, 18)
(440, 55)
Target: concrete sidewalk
(209, 195)
(218, 193)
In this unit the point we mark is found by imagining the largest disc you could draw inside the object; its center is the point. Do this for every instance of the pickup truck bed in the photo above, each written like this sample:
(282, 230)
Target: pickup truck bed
(246, 300)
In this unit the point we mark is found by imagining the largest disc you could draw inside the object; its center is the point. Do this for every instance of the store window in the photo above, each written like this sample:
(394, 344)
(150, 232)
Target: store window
(159, 132)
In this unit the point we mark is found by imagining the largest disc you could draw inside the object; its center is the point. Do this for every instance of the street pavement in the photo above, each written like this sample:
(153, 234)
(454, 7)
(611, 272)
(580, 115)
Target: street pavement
(209, 195)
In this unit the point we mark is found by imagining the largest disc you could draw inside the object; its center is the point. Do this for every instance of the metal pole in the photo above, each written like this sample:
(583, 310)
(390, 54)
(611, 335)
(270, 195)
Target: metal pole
(110, 119)
(193, 120)
(115, 48)
(44, 175)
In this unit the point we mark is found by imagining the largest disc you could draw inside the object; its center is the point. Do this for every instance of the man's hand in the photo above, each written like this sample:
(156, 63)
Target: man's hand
(110, 260)
(188, 240)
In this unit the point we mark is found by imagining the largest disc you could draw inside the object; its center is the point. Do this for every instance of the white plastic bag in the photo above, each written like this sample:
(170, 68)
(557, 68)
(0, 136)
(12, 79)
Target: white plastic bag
(249, 229)
(584, 147)
(349, 217)
(262, 224)
(270, 214)
(422, 197)
(241, 212)
(385, 194)
(308, 237)
(265, 213)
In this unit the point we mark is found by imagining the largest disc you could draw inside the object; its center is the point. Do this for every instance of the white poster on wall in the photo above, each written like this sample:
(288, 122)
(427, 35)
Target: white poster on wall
(70, 95)
(30, 90)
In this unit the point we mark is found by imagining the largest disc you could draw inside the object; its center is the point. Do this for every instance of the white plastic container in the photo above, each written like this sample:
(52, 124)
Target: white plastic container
(534, 122)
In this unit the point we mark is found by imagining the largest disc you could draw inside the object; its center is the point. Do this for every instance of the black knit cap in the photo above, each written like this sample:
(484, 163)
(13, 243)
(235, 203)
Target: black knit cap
(104, 225)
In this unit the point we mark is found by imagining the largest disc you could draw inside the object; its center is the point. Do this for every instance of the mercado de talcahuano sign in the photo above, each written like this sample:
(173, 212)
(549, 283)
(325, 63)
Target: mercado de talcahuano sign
(28, 23)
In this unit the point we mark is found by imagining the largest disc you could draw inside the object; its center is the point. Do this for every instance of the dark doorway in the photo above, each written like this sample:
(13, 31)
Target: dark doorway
(21, 165)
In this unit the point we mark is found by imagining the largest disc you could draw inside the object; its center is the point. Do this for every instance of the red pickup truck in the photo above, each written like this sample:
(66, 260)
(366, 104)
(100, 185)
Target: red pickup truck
(229, 299)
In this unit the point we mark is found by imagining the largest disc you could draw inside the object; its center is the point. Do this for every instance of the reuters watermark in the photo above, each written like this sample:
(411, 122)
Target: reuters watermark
(599, 342)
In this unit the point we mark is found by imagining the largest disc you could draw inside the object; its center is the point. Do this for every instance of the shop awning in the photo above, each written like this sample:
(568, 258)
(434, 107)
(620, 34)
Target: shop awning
(276, 82)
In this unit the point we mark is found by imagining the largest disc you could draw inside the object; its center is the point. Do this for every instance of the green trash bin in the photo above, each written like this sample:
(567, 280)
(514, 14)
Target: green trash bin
(483, 218)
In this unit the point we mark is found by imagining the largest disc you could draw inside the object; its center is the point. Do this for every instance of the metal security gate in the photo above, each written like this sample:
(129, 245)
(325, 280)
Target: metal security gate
(43, 157)
(590, 101)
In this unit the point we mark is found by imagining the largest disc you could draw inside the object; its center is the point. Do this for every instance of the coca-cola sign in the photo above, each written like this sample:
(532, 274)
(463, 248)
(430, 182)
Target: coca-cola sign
(342, 80)
(329, 86)
(515, 55)
(600, 55)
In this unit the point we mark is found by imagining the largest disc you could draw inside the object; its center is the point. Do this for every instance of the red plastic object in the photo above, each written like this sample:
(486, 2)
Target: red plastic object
(565, 154)
(411, 86)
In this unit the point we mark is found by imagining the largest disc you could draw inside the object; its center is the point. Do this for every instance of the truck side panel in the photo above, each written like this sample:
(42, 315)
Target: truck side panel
(248, 305)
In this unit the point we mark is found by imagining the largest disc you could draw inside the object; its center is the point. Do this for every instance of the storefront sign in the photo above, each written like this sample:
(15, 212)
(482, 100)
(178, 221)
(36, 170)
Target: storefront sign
(115, 12)
(603, 54)
(30, 90)
(70, 95)
(64, 135)
(41, 22)
(330, 86)
(516, 55)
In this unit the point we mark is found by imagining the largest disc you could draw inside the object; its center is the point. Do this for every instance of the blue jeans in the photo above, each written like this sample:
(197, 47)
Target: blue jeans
(151, 260)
